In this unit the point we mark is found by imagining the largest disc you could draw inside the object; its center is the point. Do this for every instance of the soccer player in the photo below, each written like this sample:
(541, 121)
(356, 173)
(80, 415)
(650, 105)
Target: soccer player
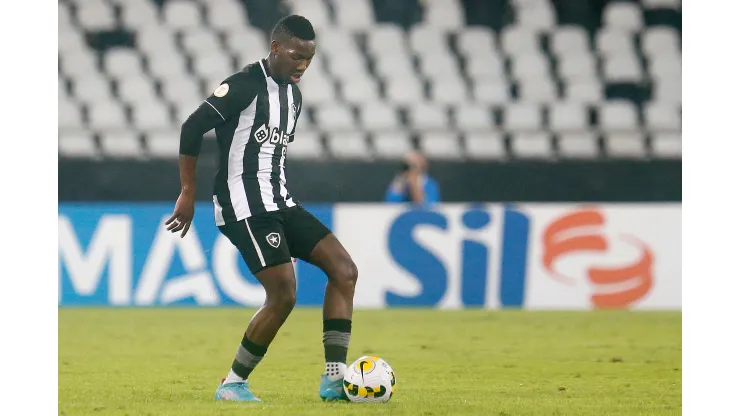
(254, 113)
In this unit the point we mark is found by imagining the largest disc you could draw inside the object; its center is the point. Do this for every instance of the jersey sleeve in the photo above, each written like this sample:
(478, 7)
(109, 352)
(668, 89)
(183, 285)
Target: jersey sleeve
(232, 96)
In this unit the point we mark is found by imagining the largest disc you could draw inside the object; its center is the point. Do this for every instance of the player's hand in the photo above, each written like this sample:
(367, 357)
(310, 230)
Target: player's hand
(183, 215)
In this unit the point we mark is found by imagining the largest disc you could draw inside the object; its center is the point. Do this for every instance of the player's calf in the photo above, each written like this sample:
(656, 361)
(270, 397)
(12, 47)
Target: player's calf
(280, 288)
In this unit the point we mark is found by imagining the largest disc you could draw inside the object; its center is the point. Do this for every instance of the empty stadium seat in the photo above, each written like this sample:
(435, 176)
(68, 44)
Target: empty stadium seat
(92, 89)
(615, 42)
(353, 14)
(568, 117)
(472, 40)
(537, 91)
(71, 41)
(523, 117)
(488, 145)
(361, 90)
(537, 15)
(163, 143)
(135, 90)
(425, 39)
(376, 116)
(446, 14)
(225, 15)
(667, 90)
(490, 92)
(662, 117)
(526, 67)
(661, 40)
(391, 144)
(96, 15)
(201, 42)
(517, 40)
(532, 145)
(79, 64)
(107, 116)
(349, 145)
(122, 62)
(623, 15)
(428, 117)
(489, 68)
(629, 144)
(574, 67)
(470, 117)
(335, 117)
(622, 68)
(70, 116)
(667, 145)
(121, 144)
(569, 40)
(77, 144)
(181, 15)
(618, 115)
(138, 14)
(151, 116)
(404, 91)
(584, 91)
(307, 145)
(241, 39)
(317, 90)
(450, 91)
(578, 145)
(440, 145)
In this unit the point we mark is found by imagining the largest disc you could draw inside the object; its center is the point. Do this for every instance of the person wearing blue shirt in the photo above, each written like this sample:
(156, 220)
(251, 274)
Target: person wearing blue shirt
(412, 184)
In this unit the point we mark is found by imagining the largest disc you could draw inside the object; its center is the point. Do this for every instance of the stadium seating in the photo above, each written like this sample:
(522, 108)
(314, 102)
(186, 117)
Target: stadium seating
(131, 71)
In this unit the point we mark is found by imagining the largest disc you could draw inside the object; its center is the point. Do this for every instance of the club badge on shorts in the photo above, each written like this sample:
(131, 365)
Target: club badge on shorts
(273, 239)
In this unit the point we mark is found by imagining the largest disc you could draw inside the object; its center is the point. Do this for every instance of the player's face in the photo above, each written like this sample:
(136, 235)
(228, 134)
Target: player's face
(292, 58)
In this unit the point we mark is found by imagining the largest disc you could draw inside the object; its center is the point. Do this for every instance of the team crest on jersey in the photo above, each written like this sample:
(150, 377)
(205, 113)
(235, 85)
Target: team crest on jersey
(262, 134)
(273, 239)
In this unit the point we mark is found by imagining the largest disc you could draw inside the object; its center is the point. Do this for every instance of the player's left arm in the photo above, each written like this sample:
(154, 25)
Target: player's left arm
(230, 98)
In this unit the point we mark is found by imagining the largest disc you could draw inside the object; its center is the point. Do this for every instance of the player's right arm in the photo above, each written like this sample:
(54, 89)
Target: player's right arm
(228, 100)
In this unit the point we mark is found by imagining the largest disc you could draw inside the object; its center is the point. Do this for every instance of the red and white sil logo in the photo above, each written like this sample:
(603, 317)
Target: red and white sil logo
(584, 231)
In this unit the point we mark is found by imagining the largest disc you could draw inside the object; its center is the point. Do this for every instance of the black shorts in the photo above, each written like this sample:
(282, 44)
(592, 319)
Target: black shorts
(275, 237)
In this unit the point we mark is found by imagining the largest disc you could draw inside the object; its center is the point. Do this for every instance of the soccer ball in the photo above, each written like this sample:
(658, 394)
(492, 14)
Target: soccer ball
(369, 379)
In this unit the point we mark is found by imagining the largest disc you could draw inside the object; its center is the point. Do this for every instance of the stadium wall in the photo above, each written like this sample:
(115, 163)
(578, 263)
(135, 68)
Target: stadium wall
(358, 181)
(531, 256)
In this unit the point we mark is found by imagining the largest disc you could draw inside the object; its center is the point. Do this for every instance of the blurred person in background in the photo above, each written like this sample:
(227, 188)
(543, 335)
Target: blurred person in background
(412, 183)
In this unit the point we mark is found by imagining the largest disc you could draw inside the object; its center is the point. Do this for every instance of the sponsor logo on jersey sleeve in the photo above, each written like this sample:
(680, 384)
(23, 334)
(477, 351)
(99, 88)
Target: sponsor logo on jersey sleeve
(222, 90)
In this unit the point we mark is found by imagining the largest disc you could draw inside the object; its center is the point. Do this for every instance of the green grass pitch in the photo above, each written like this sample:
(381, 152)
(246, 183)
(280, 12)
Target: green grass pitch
(472, 362)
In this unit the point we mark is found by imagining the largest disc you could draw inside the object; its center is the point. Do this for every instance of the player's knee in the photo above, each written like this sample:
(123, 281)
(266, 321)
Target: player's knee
(347, 274)
(283, 302)
(282, 296)
(286, 301)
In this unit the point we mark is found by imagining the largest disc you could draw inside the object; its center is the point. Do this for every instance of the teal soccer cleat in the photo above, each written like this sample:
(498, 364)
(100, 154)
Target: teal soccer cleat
(331, 390)
(236, 392)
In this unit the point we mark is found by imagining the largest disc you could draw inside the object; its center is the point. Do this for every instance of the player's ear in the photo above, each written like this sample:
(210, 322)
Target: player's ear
(274, 47)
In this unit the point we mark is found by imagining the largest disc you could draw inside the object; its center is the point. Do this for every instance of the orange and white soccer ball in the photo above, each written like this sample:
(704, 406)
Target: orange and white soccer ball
(369, 379)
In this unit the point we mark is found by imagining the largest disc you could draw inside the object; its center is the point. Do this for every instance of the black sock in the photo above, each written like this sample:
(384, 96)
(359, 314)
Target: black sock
(248, 355)
(336, 342)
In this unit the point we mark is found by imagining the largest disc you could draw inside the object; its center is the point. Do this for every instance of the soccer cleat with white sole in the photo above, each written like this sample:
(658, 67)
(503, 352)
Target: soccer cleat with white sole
(331, 390)
(237, 392)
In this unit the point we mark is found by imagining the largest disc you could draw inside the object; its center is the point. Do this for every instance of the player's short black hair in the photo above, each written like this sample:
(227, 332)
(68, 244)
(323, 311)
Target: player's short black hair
(293, 26)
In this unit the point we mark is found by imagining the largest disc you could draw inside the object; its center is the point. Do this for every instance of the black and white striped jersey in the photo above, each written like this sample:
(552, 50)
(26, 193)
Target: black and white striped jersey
(257, 121)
